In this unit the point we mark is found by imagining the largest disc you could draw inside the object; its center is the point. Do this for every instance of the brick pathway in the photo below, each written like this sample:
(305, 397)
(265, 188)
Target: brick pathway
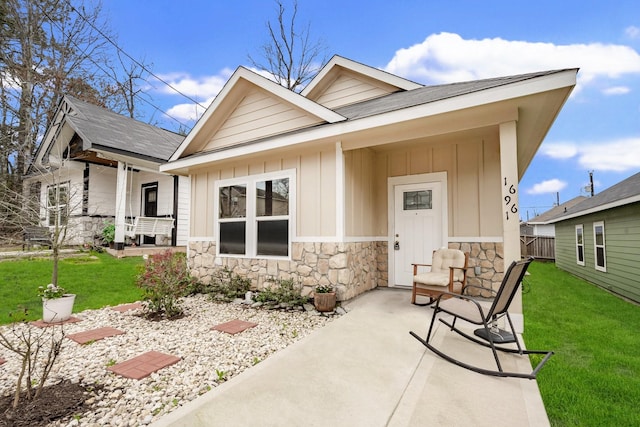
(43, 324)
(126, 307)
(234, 327)
(94, 335)
(144, 365)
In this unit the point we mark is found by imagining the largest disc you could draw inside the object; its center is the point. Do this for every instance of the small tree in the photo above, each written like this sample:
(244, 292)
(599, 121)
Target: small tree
(38, 352)
(290, 56)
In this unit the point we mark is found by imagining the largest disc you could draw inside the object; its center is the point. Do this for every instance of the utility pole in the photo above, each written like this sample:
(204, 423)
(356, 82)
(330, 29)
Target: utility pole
(591, 182)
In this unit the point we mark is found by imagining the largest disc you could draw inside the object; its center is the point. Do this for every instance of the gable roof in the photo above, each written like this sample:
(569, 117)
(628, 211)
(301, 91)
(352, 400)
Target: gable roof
(533, 99)
(620, 194)
(556, 210)
(338, 63)
(99, 127)
(103, 130)
(242, 79)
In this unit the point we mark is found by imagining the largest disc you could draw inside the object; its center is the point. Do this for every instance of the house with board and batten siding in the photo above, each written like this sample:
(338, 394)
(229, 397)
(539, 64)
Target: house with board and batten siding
(361, 174)
(95, 167)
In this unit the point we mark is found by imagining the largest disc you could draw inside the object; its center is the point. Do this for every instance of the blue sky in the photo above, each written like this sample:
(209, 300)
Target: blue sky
(196, 44)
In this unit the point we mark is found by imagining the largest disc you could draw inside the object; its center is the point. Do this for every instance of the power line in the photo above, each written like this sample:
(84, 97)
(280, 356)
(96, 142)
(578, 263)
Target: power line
(107, 38)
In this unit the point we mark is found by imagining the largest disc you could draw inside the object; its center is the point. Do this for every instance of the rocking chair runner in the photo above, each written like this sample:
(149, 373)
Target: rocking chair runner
(466, 308)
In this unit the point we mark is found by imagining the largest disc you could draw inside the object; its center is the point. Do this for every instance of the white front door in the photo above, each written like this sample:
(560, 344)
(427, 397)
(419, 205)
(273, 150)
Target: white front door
(417, 228)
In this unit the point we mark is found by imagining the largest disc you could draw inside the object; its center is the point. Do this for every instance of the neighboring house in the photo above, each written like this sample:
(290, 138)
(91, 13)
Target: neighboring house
(537, 237)
(598, 239)
(539, 225)
(363, 173)
(95, 166)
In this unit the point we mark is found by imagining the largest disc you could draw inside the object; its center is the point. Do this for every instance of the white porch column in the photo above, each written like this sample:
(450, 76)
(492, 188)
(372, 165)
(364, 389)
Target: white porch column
(340, 193)
(121, 198)
(511, 209)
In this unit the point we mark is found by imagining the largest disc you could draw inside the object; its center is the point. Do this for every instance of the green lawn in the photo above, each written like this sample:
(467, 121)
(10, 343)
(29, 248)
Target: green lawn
(97, 280)
(594, 377)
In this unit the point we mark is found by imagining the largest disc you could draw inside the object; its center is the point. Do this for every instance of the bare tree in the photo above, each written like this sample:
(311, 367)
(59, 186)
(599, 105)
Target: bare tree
(290, 56)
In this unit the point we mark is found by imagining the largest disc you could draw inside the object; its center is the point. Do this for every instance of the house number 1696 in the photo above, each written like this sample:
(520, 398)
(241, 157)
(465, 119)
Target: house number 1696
(509, 200)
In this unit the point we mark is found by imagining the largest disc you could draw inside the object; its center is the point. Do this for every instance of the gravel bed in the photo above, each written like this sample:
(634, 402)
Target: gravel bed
(205, 356)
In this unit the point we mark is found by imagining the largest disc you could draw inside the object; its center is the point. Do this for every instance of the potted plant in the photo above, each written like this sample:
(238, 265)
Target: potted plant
(324, 298)
(109, 233)
(57, 305)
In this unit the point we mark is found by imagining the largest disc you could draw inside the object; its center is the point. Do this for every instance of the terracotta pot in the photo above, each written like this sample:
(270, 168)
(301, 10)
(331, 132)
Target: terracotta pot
(324, 302)
(57, 309)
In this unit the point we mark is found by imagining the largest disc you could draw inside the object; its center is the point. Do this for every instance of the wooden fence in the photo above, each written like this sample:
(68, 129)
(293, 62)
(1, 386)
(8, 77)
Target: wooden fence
(538, 246)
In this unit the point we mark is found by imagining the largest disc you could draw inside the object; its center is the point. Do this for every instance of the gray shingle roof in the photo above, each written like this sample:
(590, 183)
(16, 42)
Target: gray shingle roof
(556, 211)
(427, 94)
(101, 128)
(627, 189)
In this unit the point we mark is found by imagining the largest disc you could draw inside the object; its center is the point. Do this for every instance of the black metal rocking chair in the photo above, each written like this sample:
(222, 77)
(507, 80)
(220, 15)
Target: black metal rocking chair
(466, 308)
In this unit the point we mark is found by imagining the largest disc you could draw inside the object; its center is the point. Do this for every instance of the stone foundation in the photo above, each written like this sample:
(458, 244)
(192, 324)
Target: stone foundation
(351, 268)
(489, 257)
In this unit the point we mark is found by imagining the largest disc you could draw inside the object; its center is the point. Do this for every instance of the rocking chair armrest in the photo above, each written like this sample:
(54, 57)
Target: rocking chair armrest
(416, 265)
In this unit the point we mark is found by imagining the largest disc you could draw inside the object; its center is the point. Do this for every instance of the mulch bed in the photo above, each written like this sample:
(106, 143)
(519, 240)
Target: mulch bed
(62, 400)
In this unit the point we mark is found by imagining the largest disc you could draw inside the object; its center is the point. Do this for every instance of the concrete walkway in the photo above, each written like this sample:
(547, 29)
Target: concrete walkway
(364, 369)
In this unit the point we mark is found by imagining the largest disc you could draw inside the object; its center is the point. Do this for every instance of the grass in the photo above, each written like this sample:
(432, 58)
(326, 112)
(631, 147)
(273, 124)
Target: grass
(594, 377)
(97, 280)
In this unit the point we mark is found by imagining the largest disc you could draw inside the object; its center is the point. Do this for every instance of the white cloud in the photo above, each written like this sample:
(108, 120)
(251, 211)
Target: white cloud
(202, 87)
(632, 32)
(447, 57)
(188, 112)
(618, 155)
(548, 186)
(559, 150)
(616, 90)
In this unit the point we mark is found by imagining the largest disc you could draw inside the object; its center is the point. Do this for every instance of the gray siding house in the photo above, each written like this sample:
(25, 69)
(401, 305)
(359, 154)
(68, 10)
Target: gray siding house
(598, 239)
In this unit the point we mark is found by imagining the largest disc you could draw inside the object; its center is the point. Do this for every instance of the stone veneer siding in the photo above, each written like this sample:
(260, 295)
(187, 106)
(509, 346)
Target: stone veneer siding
(489, 256)
(352, 268)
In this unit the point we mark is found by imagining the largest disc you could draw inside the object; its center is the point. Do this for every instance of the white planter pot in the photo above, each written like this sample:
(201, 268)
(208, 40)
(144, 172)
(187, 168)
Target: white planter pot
(57, 309)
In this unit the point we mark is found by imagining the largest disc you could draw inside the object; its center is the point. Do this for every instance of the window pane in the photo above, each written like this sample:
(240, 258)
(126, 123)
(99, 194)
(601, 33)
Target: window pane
(273, 237)
(579, 236)
(272, 197)
(599, 235)
(233, 201)
(414, 200)
(600, 257)
(232, 237)
(580, 254)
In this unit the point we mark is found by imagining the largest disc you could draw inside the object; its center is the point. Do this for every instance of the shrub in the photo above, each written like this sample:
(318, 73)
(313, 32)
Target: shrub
(227, 285)
(165, 279)
(283, 291)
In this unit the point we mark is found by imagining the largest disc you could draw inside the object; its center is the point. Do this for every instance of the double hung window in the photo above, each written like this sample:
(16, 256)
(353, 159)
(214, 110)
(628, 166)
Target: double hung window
(254, 215)
(579, 244)
(58, 204)
(599, 246)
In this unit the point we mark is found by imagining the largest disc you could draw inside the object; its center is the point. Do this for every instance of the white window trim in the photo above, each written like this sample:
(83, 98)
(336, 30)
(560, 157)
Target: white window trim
(48, 208)
(595, 247)
(581, 228)
(251, 218)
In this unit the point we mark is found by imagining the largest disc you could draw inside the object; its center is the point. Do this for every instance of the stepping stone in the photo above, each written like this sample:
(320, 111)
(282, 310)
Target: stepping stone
(94, 335)
(144, 365)
(126, 307)
(234, 327)
(43, 324)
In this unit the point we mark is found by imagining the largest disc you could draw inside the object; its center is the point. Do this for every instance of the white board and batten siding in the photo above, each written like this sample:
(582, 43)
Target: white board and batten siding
(258, 115)
(349, 89)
